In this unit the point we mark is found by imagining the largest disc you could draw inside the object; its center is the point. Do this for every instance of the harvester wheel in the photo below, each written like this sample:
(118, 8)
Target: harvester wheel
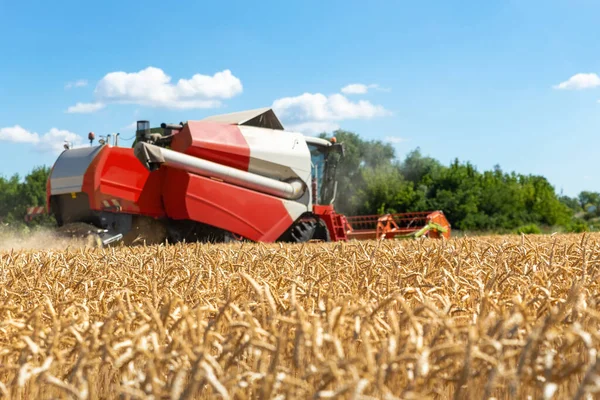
(194, 232)
(302, 232)
(321, 232)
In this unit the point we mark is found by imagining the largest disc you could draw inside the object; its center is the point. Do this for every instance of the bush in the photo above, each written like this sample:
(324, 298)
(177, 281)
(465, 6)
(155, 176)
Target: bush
(578, 226)
(530, 229)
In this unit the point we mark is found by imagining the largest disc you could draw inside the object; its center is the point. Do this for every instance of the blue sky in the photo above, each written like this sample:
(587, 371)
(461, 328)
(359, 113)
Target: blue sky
(475, 80)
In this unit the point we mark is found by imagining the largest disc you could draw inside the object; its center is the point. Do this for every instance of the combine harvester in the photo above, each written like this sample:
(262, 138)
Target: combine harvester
(224, 178)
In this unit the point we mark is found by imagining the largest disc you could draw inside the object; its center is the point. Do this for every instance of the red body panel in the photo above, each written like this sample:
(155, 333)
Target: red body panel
(253, 215)
(336, 223)
(117, 173)
(220, 143)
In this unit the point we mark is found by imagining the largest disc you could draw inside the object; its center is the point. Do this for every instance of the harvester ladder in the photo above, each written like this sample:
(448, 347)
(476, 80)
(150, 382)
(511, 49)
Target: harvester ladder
(339, 227)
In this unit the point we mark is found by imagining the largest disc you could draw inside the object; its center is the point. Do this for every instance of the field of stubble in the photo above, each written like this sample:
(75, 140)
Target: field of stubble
(491, 317)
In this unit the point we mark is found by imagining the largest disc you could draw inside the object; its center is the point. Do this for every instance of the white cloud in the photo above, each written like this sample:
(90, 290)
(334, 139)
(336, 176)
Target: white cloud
(152, 87)
(17, 134)
(315, 112)
(356, 88)
(77, 83)
(83, 108)
(54, 140)
(395, 139)
(361, 88)
(318, 107)
(313, 128)
(580, 81)
(51, 141)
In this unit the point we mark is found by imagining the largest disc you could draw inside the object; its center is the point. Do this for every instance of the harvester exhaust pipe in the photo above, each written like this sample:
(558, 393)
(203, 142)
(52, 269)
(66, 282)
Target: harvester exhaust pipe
(152, 157)
(171, 126)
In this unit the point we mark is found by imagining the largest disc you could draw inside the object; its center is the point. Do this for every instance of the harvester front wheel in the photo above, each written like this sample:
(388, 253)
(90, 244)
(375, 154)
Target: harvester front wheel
(301, 232)
(321, 232)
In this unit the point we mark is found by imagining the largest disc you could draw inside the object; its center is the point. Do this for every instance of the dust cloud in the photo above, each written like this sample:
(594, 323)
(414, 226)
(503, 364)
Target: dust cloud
(41, 239)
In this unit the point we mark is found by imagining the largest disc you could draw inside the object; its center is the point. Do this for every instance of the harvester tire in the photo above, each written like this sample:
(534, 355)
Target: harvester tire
(303, 231)
(321, 232)
(196, 232)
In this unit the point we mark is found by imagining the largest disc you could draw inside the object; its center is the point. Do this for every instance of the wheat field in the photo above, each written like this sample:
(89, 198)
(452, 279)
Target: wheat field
(471, 318)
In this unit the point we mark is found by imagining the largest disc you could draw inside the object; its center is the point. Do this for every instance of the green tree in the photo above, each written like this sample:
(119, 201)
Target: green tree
(359, 155)
(502, 202)
(416, 168)
(385, 191)
(33, 193)
(572, 203)
(9, 198)
(543, 203)
(456, 191)
(587, 199)
(17, 195)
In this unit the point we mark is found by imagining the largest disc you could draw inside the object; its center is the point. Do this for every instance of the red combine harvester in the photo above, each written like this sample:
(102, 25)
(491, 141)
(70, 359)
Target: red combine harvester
(224, 178)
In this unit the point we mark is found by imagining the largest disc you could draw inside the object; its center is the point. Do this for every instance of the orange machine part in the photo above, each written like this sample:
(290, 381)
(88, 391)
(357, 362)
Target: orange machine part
(369, 227)
(439, 218)
(386, 227)
(337, 225)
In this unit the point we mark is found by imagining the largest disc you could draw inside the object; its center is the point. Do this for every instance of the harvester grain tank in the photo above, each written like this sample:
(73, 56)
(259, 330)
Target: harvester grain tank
(227, 177)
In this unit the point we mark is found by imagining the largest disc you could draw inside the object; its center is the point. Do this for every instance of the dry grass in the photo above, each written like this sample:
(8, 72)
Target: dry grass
(492, 317)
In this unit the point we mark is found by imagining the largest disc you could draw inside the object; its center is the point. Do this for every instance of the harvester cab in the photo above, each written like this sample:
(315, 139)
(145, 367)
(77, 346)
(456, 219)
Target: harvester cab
(325, 156)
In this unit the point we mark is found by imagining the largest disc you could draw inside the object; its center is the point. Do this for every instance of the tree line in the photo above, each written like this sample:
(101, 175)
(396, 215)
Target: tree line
(371, 180)
(17, 194)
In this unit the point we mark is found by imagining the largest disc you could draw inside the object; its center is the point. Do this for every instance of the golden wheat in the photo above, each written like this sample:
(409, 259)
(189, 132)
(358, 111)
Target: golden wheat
(491, 317)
